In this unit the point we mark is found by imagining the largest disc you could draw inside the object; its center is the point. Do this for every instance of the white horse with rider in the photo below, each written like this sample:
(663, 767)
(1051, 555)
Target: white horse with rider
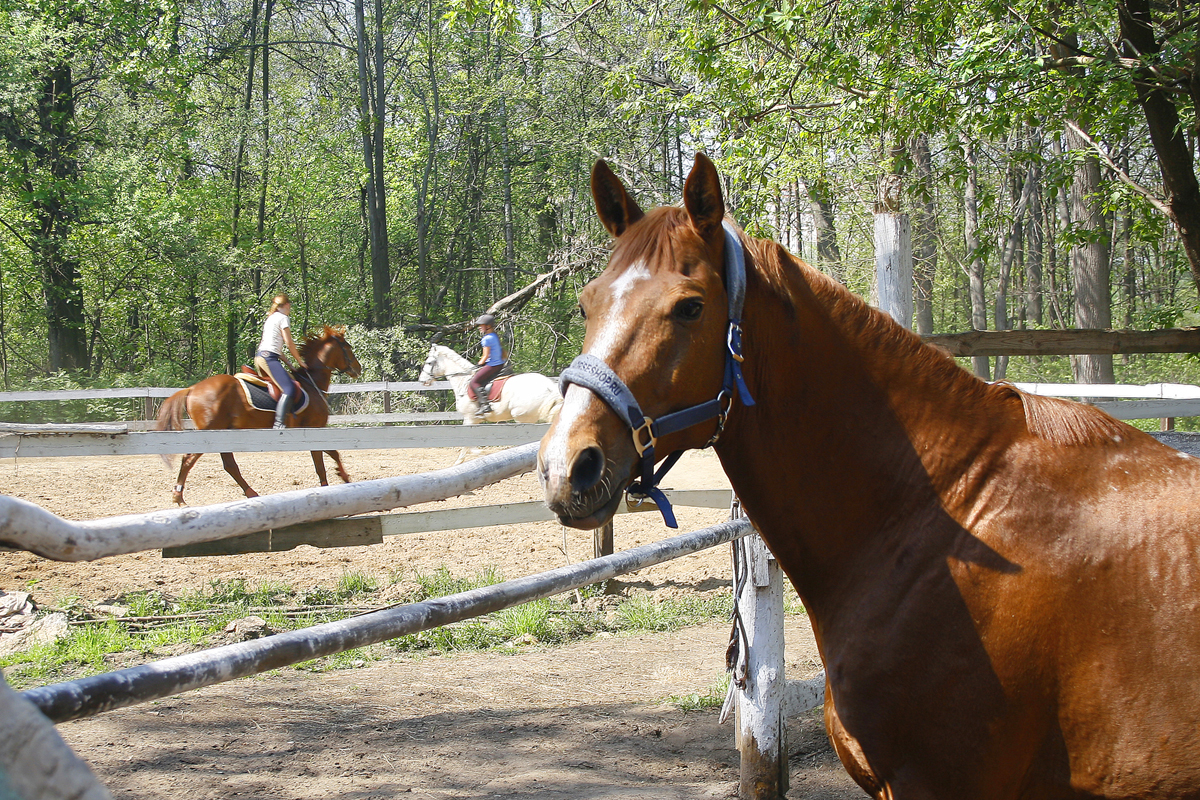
(525, 397)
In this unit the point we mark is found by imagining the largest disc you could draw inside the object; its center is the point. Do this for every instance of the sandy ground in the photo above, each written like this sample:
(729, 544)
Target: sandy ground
(589, 720)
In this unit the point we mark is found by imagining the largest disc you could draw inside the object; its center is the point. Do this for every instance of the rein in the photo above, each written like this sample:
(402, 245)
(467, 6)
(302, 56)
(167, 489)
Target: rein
(593, 374)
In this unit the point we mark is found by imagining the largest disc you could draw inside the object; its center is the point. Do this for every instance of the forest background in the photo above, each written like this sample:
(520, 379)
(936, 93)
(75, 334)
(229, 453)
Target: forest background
(399, 166)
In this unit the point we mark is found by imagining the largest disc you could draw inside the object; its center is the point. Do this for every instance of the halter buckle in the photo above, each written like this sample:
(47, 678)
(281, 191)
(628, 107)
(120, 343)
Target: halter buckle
(733, 340)
(639, 502)
(651, 439)
(725, 398)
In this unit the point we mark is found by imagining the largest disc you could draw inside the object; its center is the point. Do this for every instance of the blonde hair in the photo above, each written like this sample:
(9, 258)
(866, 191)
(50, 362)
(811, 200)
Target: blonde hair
(277, 301)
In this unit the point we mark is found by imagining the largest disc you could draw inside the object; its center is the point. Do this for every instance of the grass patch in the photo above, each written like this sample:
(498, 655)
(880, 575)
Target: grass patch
(697, 701)
(156, 625)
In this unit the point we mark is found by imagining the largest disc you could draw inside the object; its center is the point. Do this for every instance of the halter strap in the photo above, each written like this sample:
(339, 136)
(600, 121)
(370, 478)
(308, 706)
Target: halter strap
(593, 374)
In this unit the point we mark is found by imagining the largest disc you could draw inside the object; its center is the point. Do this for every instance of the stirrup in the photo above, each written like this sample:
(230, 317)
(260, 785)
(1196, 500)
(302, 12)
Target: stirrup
(483, 410)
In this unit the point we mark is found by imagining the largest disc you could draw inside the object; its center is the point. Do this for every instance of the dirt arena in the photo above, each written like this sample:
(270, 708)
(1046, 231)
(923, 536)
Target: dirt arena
(589, 720)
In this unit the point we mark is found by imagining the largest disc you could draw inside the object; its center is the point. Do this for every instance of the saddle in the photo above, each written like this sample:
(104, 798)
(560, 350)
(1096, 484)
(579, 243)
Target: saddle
(263, 393)
(497, 384)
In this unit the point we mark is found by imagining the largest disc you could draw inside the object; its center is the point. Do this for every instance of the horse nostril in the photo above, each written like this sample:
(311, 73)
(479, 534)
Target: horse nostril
(587, 470)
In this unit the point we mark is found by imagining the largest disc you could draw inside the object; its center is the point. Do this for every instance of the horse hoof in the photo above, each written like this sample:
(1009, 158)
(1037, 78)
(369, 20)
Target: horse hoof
(251, 493)
(178, 498)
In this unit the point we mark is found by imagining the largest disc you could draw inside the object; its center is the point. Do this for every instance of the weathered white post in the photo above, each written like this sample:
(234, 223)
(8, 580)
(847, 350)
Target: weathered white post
(760, 702)
(893, 265)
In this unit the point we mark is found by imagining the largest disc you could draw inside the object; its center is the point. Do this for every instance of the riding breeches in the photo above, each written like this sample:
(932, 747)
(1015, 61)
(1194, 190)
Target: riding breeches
(482, 376)
(279, 374)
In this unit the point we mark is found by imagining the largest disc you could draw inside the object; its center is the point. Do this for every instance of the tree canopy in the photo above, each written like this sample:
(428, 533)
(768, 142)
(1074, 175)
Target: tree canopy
(402, 166)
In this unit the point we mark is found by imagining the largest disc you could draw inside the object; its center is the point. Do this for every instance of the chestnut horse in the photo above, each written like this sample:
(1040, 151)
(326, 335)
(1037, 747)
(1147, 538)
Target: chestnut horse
(1004, 588)
(220, 403)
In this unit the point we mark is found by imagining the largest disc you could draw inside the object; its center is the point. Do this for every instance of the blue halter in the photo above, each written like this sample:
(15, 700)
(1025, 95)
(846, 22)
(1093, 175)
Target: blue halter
(591, 373)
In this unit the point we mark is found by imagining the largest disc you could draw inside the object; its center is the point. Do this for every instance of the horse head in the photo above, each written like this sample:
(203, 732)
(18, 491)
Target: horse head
(429, 370)
(657, 317)
(337, 352)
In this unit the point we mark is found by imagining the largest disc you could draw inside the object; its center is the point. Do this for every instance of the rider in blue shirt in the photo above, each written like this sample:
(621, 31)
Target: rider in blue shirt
(490, 363)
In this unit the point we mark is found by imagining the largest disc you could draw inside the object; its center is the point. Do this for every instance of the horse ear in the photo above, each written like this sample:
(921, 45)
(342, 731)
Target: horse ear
(702, 197)
(616, 208)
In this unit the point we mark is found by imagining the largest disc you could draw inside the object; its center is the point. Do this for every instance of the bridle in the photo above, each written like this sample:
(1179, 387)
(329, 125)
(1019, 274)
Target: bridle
(591, 373)
(347, 353)
(432, 361)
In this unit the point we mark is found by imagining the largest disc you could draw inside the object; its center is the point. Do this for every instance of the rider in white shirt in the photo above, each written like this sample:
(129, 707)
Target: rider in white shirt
(276, 339)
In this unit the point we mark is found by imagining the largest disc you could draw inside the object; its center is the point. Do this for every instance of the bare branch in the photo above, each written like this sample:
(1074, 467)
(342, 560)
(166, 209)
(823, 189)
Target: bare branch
(1152, 198)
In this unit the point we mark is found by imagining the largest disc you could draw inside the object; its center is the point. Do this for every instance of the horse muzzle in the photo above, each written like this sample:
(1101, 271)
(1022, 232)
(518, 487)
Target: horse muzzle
(582, 484)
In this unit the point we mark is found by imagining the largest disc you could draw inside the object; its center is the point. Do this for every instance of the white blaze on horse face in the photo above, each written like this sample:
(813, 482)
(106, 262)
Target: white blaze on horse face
(612, 326)
(578, 401)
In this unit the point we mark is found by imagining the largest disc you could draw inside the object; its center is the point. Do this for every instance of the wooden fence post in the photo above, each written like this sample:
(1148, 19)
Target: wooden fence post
(761, 720)
(603, 542)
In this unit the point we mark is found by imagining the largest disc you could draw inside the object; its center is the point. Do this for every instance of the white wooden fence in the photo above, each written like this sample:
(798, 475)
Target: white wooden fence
(1159, 400)
(762, 699)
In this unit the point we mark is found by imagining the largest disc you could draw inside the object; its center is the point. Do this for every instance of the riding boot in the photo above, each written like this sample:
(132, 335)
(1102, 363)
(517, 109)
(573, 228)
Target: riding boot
(281, 409)
(481, 396)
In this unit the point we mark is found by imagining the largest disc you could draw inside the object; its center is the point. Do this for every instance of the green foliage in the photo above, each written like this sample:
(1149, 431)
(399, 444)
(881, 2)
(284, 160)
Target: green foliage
(488, 139)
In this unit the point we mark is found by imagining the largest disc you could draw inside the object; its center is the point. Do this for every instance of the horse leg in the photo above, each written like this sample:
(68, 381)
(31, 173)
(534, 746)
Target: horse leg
(185, 466)
(319, 465)
(232, 468)
(337, 459)
(468, 419)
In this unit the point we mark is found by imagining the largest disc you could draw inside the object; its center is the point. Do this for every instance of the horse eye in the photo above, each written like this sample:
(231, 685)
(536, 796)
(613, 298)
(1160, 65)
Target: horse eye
(689, 310)
(582, 313)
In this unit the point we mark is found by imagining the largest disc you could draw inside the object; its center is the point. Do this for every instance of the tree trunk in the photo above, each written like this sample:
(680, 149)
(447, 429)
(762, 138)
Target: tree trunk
(1033, 249)
(55, 216)
(381, 270)
(371, 111)
(510, 250)
(229, 292)
(828, 252)
(424, 208)
(975, 271)
(266, 154)
(1166, 131)
(924, 237)
(239, 160)
(1089, 261)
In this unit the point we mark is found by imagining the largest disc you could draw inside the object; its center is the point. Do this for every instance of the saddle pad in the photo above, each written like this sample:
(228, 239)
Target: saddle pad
(257, 396)
(495, 387)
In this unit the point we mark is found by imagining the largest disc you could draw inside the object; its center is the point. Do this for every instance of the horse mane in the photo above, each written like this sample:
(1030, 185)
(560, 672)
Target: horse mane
(312, 344)
(1063, 422)
(1052, 419)
(462, 361)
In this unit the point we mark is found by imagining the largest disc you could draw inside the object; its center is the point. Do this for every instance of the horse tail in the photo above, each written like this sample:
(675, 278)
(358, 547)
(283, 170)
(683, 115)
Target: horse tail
(170, 416)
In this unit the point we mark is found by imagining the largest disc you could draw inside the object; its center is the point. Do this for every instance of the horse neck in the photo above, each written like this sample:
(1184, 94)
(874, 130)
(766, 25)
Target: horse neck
(857, 428)
(320, 374)
(457, 370)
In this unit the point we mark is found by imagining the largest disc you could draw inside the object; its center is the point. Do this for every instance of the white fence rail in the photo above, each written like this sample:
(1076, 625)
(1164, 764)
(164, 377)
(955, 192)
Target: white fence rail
(1158, 400)
(18, 444)
(25, 526)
